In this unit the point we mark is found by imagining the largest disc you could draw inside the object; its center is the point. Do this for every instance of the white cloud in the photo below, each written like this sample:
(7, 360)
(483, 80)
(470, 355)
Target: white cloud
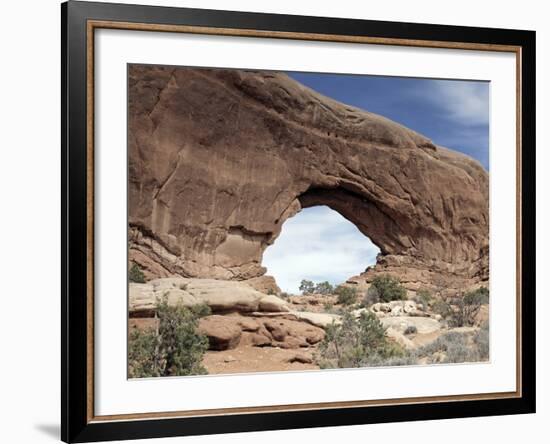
(463, 101)
(318, 244)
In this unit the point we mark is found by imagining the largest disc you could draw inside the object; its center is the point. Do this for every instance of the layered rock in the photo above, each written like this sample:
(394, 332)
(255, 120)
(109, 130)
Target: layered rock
(220, 296)
(219, 159)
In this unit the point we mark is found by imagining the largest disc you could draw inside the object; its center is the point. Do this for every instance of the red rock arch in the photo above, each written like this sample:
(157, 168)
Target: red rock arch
(219, 159)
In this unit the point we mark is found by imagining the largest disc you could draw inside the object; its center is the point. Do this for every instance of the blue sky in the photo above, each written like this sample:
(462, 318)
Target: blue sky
(318, 243)
(453, 113)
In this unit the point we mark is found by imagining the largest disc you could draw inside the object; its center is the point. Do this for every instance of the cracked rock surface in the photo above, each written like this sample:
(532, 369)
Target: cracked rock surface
(219, 159)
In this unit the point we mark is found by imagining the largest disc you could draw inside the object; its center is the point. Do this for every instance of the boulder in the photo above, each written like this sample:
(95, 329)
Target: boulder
(301, 358)
(397, 308)
(220, 296)
(223, 332)
(276, 329)
(264, 284)
(381, 307)
(248, 324)
(287, 333)
(401, 323)
(206, 200)
(272, 303)
(321, 320)
(143, 297)
(259, 340)
(291, 342)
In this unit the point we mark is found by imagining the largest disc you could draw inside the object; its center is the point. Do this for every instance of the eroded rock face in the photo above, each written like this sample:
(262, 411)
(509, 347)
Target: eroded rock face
(219, 159)
(220, 296)
(222, 331)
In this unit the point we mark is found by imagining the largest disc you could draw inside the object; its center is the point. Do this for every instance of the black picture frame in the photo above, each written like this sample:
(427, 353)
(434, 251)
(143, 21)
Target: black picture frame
(76, 423)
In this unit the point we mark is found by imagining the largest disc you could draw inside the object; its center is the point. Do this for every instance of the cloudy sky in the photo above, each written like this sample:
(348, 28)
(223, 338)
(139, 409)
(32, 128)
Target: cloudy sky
(318, 244)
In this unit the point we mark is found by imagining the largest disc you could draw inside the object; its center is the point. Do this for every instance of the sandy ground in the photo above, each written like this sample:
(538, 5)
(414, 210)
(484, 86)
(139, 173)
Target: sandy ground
(262, 359)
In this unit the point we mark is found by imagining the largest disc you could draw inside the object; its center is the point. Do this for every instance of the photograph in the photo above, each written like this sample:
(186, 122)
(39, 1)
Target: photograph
(305, 221)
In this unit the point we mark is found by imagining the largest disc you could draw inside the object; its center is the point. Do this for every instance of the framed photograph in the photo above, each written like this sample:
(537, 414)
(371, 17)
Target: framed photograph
(276, 221)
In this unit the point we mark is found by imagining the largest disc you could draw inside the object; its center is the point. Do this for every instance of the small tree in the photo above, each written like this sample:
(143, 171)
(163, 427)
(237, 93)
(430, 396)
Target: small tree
(175, 348)
(136, 275)
(346, 295)
(324, 288)
(462, 310)
(389, 288)
(306, 287)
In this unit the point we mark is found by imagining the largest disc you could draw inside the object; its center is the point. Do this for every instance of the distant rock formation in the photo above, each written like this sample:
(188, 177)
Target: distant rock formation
(219, 159)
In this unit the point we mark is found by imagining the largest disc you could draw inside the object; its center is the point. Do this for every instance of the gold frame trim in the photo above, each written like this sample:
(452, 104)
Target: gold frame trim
(96, 24)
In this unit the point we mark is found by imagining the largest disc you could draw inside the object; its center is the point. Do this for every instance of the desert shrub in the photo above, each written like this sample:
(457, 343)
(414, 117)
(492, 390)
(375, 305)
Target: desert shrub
(455, 347)
(356, 342)
(306, 287)
(271, 291)
(372, 296)
(327, 306)
(324, 288)
(144, 359)
(346, 295)
(175, 348)
(481, 340)
(424, 297)
(389, 288)
(136, 275)
(478, 296)
(411, 330)
(450, 347)
(442, 308)
(394, 361)
(463, 309)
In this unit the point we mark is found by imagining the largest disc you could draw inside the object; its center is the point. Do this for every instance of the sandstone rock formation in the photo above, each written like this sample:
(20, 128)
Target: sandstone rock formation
(220, 296)
(219, 159)
(402, 323)
(222, 332)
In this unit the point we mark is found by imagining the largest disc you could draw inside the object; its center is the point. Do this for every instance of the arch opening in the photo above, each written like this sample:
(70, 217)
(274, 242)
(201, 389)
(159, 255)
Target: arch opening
(318, 244)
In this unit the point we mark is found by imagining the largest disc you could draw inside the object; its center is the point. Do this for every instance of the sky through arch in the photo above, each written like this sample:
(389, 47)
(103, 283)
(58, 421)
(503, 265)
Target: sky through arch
(318, 244)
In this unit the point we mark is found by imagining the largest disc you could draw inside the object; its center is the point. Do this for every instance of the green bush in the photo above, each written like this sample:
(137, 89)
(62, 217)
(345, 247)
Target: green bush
(306, 287)
(175, 348)
(346, 295)
(136, 275)
(356, 343)
(388, 288)
(144, 358)
(479, 296)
